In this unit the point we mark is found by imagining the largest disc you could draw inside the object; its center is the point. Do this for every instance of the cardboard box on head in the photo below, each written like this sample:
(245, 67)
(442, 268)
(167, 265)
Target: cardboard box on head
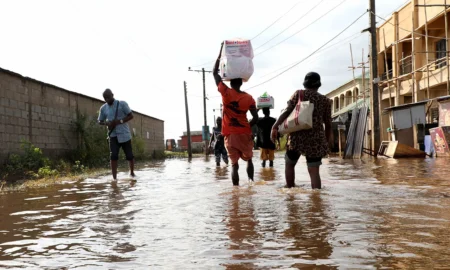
(265, 101)
(237, 60)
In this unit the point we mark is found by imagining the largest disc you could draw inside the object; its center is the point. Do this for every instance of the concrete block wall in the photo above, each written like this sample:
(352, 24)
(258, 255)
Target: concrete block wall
(42, 114)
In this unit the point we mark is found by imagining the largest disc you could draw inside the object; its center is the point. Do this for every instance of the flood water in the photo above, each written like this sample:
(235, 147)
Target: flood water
(384, 214)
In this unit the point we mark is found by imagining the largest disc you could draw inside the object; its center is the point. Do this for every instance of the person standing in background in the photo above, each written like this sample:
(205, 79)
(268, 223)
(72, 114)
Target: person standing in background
(263, 141)
(217, 143)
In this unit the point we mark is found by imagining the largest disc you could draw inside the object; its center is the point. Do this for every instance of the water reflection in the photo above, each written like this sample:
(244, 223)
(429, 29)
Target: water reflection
(309, 229)
(267, 174)
(383, 214)
(115, 225)
(241, 224)
(221, 173)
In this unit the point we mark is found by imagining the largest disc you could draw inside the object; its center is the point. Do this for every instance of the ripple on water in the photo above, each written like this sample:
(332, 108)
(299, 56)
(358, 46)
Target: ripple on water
(183, 215)
(35, 198)
(23, 213)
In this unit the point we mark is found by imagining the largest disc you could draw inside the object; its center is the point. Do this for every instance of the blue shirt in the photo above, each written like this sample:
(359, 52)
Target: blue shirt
(108, 113)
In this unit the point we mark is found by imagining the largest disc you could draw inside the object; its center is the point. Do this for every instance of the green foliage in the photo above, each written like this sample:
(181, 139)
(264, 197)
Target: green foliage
(183, 154)
(92, 151)
(138, 145)
(45, 172)
(158, 154)
(78, 167)
(64, 167)
(31, 160)
(92, 147)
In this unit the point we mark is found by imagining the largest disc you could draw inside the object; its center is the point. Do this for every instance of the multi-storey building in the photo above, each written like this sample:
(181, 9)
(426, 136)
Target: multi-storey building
(413, 60)
(344, 99)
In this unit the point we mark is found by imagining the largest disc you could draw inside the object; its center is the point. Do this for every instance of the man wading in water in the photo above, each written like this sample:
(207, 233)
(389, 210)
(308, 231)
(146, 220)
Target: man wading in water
(235, 126)
(114, 114)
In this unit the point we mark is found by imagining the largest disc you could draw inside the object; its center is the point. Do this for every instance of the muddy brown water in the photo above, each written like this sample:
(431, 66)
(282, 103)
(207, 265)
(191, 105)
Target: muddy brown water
(384, 214)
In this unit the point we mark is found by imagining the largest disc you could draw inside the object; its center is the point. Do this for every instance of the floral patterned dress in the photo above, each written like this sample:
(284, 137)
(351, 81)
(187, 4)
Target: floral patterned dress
(311, 142)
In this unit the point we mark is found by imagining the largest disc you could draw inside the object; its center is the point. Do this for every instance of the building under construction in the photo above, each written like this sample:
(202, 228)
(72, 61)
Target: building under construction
(413, 70)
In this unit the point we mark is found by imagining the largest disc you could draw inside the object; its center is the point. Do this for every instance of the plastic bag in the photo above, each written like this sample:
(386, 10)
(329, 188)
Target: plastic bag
(237, 60)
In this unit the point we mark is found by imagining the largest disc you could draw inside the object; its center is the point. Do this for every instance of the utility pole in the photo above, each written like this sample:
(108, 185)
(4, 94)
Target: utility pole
(187, 122)
(205, 128)
(214, 111)
(375, 96)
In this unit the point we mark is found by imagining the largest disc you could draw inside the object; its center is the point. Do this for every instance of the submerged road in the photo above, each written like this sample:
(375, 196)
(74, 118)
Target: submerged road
(383, 214)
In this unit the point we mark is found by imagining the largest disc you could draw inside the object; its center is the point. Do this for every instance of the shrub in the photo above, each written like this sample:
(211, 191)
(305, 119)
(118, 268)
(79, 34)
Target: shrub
(138, 145)
(78, 167)
(92, 147)
(31, 160)
(46, 171)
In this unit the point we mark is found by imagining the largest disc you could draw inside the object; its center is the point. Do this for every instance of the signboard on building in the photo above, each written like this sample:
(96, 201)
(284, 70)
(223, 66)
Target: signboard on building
(444, 113)
(440, 137)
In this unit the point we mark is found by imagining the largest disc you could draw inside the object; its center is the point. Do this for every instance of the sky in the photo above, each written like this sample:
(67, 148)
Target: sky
(142, 50)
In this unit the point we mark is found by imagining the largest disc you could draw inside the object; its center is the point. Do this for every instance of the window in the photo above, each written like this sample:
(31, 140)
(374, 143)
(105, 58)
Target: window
(407, 99)
(435, 115)
(441, 50)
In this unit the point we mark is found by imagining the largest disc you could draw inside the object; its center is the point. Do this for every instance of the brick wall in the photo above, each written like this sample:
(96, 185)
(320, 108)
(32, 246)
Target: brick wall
(42, 114)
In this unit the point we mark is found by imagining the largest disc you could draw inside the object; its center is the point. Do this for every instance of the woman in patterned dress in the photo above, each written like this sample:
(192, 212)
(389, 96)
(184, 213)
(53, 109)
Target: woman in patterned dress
(312, 143)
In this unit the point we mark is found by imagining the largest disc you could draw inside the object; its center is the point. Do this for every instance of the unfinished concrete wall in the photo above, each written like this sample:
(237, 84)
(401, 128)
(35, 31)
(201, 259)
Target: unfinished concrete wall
(43, 114)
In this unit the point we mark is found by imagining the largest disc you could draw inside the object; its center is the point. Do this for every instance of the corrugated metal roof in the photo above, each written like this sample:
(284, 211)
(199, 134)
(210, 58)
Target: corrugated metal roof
(386, 110)
(351, 107)
(407, 105)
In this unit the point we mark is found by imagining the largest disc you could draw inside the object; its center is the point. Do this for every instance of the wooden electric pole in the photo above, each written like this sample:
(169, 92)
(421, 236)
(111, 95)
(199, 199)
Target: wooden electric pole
(375, 102)
(187, 123)
(205, 127)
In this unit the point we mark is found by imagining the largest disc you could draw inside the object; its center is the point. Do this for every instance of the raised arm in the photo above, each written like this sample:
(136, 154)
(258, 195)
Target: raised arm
(216, 67)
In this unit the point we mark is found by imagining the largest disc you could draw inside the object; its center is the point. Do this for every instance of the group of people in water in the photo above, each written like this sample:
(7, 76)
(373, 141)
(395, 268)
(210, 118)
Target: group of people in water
(234, 134)
(232, 139)
(262, 140)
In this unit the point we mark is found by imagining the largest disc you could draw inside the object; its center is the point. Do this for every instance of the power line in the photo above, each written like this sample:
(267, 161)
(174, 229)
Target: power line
(328, 12)
(301, 17)
(211, 62)
(341, 42)
(407, 1)
(276, 20)
(299, 62)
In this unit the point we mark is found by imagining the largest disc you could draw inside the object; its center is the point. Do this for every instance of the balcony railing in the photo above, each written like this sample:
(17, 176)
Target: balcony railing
(386, 75)
(406, 65)
(441, 62)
